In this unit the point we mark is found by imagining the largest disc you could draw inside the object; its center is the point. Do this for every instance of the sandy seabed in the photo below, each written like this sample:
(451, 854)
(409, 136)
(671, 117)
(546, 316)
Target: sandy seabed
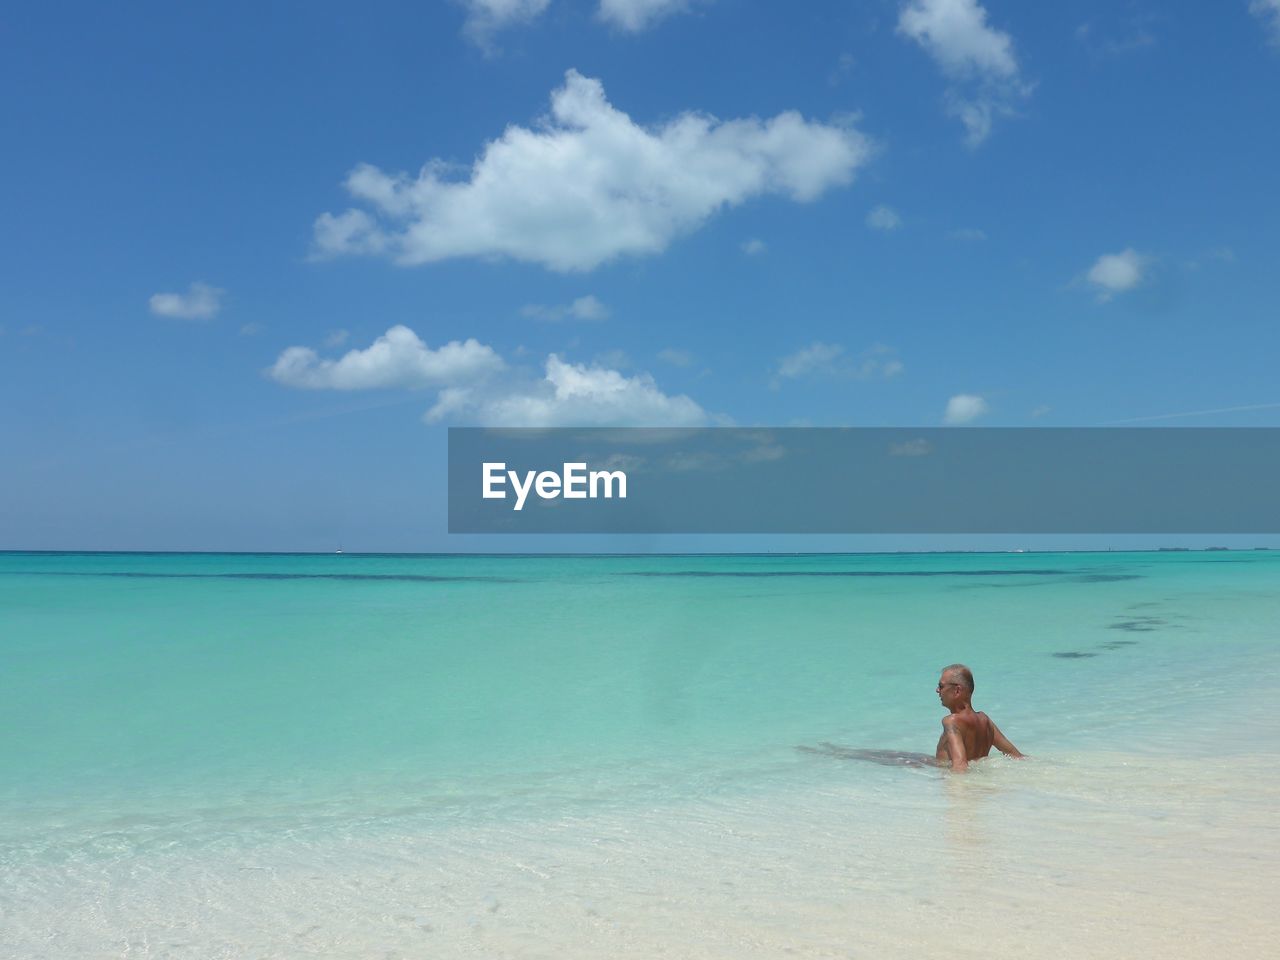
(1097, 856)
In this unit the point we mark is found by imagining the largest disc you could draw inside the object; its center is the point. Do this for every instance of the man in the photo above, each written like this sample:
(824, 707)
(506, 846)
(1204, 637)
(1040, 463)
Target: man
(966, 734)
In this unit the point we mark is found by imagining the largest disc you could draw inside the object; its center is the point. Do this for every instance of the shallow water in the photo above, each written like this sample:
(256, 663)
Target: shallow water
(586, 756)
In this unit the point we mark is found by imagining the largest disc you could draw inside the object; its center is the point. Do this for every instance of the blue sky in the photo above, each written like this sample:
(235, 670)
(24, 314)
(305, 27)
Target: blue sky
(258, 257)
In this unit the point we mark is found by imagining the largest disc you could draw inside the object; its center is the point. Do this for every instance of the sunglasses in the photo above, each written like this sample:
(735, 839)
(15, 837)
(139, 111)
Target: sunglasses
(941, 685)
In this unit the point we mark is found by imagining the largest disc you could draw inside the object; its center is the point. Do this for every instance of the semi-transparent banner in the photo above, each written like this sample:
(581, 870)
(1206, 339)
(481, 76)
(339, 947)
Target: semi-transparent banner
(864, 480)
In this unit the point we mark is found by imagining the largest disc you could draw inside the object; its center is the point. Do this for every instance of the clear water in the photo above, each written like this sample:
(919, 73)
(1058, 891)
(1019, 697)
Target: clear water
(235, 755)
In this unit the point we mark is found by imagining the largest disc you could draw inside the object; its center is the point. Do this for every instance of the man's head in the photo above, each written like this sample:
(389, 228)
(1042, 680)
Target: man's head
(955, 686)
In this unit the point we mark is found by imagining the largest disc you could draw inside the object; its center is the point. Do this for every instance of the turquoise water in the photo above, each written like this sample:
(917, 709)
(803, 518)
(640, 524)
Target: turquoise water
(171, 716)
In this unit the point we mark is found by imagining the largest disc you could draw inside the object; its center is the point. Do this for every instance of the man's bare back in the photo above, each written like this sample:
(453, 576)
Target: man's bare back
(975, 733)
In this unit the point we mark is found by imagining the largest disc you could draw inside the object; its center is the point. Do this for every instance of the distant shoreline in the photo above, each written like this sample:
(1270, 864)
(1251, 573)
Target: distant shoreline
(655, 553)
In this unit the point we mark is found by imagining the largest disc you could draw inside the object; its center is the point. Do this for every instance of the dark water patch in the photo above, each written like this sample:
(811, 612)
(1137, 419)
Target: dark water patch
(142, 575)
(843, 573)
(1048, 582)
(889, 758)
(1117, 644)
(1144, 603)
(1073, 655)
(1140, 625)
(1106, 577)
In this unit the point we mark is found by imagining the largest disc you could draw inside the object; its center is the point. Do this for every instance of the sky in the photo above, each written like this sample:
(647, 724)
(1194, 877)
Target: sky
(257, 258)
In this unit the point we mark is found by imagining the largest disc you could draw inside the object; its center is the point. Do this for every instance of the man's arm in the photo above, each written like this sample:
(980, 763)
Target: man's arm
(1002, 743)
(955, 745)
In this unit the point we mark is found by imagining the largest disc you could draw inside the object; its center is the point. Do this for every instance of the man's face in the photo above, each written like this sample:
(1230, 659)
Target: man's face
(949, 689)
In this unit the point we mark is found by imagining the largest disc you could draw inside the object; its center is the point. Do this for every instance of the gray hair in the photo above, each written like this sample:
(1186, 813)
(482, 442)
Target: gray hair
(965, 673)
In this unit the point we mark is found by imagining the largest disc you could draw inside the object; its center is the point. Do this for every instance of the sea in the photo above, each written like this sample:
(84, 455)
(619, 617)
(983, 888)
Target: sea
(402, 756)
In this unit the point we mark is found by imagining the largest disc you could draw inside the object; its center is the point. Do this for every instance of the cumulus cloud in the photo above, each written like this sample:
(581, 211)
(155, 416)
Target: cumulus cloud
(977, 58)
(884, 218)
(1268, 11)
(636, 15)
(956, 34)
(964, 408)
(351, 232)
(398, 358)
(474, 385)
(200, 302)
(830, 360)
(1114, 273)
(569, 394)
(584, 308)
(486, 17)
(754, 247)
(587, 184)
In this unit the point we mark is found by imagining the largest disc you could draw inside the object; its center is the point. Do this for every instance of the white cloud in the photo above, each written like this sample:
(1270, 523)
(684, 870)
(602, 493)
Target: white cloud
(956, 34)
(569, 395)
(589, 308)
(636, 15)
(486, 17)
(587, 184)
(474, 385)
(584, 308)
(1268, 11)
(1115, 273)
(977, 58)
(352, 232)
(677, 358)
(976, 113)
(754, 247)
(251, 329)
(398, 358)
(336, 338)
(818, 357)
(884, 218)
(829, 360)
(963, 408)
(200, 302)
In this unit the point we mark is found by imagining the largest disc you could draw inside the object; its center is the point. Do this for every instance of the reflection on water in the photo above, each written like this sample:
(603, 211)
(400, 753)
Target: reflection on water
(972, 801)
